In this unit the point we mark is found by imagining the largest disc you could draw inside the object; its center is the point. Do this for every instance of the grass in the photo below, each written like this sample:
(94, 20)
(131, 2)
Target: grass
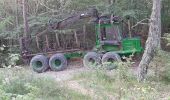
(23, 85)
(121, 84)
(96, 79)
(105, 85)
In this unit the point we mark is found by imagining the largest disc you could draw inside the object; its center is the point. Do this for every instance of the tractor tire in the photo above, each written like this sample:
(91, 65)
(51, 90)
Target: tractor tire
(58, 62)
(39, 63)
(91, 60)
(109, 59)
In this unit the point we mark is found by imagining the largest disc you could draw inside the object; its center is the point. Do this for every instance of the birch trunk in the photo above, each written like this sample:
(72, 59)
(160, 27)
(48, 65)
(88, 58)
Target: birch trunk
(153, 41)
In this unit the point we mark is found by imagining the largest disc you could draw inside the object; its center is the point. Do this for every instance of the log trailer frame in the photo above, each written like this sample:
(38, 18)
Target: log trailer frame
(110, 44)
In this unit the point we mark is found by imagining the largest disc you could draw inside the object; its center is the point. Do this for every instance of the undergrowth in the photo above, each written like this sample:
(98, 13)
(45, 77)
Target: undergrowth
(8, 59)
(121, 83)
(161, 67)
(19, 84)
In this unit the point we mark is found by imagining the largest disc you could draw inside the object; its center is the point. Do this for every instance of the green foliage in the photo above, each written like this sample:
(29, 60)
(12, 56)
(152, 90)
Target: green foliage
(6, 58)
(40, 11)
(82, 5)
(167, 74)
(132, 8)
(161, 66)
(5, 22)
(167, 38)
(165, 13)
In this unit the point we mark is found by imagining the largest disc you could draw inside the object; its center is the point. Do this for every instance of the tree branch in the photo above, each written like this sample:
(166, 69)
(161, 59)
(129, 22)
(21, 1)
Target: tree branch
(140, 22)
(7, 20)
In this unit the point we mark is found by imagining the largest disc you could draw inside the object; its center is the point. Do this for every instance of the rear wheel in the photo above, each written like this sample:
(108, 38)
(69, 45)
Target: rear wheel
(91, 59)
(109, 60)
(58, 62)
(39, 63)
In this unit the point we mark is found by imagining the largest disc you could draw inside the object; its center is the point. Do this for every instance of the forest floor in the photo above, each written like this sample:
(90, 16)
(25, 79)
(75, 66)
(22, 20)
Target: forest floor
(99, 85)
(75, 68)
(83, 83)
(68, 78)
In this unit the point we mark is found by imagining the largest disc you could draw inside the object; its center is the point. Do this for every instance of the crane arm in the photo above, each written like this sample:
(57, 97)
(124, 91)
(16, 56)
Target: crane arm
(91, 13)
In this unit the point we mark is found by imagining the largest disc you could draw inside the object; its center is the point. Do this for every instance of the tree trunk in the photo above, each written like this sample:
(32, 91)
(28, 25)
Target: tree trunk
(153, 41)
(16, 12)
(26, 27)
(16, 17)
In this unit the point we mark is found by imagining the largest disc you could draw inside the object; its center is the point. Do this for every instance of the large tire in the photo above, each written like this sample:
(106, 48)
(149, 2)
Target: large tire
(58, 62)
(91, 60)
(39, 63)
(109, 59)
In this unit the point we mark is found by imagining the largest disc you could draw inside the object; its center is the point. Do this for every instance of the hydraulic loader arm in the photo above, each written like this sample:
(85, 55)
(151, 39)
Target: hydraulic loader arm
(91, 13)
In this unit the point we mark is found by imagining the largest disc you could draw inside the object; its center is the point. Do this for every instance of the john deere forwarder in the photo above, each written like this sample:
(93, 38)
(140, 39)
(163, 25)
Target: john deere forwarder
(54, 49)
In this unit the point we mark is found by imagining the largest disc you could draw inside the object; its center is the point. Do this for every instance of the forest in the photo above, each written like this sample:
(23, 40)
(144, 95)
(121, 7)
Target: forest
(85, 49)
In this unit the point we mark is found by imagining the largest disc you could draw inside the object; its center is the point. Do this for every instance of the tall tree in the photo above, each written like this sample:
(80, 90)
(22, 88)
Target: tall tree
(26, 27)
(153, 41)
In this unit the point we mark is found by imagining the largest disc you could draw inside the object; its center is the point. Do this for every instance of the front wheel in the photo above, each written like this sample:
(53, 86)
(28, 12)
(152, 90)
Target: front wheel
(110, 59)
(91, 60)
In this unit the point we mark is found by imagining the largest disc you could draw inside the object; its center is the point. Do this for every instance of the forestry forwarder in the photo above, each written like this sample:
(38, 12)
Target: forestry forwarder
(110, 43)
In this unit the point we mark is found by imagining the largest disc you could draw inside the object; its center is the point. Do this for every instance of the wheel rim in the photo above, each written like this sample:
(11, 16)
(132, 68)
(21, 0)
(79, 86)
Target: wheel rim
(91, 61)
(110, 63)
(38, 64)
(57, 63)
(111, 60)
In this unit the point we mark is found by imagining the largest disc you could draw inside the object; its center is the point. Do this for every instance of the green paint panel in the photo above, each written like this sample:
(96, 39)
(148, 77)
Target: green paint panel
(110, 48)
(74, 54)
(132, 45)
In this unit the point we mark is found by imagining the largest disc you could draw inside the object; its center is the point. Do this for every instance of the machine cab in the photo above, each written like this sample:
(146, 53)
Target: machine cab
(108, 36)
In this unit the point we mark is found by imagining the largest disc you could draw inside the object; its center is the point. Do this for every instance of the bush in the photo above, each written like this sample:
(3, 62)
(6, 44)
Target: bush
(8, 59)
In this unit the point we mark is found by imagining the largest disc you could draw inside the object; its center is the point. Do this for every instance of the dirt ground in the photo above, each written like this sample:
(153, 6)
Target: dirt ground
(74, 67)
(64, 77)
